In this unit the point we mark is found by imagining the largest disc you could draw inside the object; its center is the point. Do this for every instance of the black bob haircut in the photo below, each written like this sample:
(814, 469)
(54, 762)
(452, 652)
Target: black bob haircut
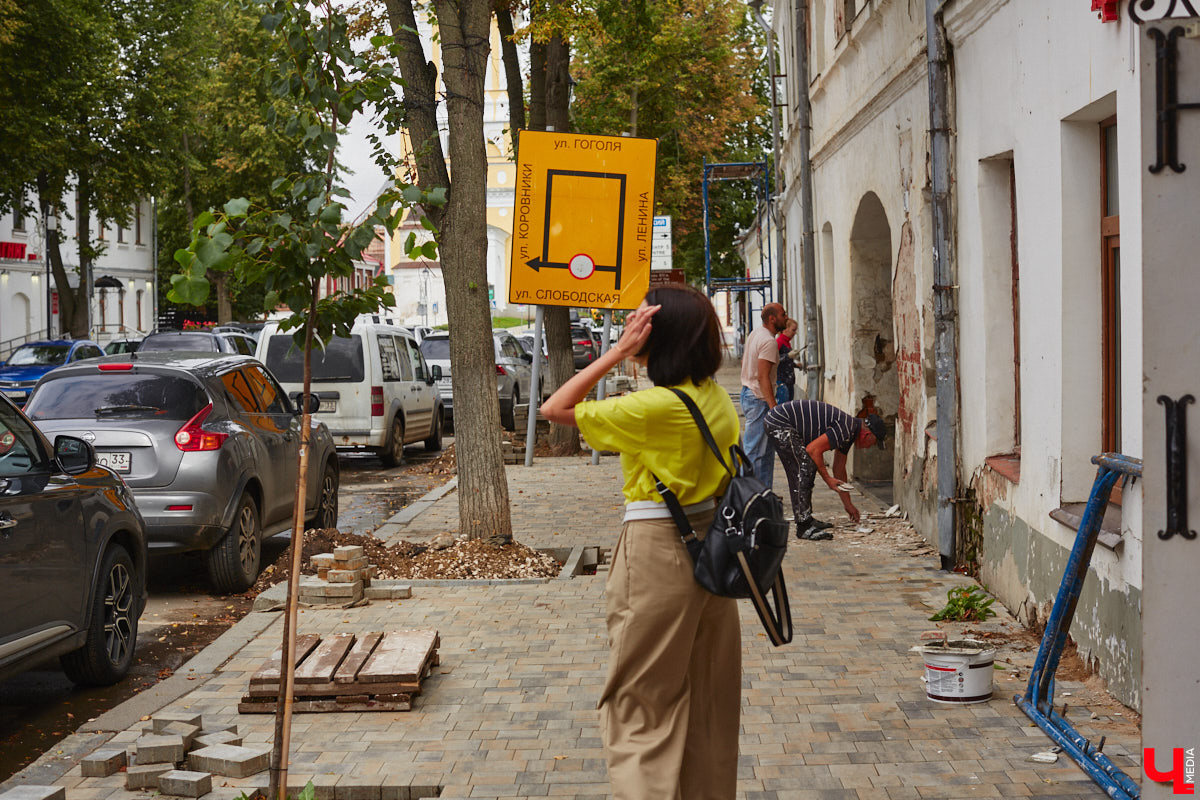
(685, 337)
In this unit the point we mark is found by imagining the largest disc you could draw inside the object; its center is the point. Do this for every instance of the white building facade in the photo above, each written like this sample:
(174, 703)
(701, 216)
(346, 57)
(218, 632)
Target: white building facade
(124, 298)
(1048, 161)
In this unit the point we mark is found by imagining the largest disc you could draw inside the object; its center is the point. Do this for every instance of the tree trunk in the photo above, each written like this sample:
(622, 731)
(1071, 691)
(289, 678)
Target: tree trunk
(514, 85)
(537, 86)
(81, 319)
(224, 298)
(463, 27)
(564, 439)
(48, 200)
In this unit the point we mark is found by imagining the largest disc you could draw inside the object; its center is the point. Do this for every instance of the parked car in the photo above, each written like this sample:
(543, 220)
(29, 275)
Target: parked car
(513, 372)
(72, 557)
(29, 362)
(526, 342)
(583, 347)
(200, 342)
(118, 346)
(514, 376)
(377, 392)
(435, 348)
(208, 445)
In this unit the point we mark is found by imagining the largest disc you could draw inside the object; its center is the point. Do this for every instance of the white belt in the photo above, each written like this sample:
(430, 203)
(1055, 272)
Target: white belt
(651, 509)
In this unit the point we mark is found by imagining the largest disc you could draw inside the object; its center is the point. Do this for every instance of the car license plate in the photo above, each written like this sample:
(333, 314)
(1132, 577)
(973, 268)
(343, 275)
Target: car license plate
(15, 395)
(117, 462)
(327, 406)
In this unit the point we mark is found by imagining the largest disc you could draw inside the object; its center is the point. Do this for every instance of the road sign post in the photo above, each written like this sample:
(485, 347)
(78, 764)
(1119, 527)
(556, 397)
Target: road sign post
(584, 230)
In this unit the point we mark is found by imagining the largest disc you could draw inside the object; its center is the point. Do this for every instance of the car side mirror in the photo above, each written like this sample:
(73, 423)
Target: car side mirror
(314, 403)
(74, 456)
(435, 374)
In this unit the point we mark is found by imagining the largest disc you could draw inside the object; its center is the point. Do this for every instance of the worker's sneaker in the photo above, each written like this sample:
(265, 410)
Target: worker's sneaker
(809, 530)
(820, 524)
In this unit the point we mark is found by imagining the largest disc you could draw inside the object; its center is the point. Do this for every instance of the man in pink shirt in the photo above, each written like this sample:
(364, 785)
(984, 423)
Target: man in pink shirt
(760, 363)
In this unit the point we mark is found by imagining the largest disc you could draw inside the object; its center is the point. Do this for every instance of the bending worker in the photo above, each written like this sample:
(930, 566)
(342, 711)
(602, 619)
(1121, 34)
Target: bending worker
(802, 431)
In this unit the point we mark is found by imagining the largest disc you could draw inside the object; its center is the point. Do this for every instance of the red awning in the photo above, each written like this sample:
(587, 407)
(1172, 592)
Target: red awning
(1110, 10)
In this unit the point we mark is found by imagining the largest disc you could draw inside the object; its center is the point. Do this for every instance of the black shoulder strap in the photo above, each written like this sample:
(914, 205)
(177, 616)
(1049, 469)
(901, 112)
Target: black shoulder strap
(668, 496)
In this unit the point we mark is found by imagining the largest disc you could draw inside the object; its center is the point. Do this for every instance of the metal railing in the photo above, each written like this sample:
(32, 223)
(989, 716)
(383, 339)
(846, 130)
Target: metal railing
(8, 345)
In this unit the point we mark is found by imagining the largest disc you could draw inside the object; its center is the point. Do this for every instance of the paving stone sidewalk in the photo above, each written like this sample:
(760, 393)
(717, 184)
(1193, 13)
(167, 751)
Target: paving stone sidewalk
(510, 712)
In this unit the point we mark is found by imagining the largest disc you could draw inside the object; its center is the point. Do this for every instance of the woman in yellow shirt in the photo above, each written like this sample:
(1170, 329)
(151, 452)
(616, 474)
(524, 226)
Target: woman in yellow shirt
(669, 711)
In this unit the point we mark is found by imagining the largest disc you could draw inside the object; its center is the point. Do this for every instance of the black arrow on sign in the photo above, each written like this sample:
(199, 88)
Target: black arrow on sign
(537, 264)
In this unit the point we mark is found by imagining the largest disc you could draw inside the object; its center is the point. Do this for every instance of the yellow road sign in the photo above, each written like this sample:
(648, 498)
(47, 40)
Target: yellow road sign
(584, 220)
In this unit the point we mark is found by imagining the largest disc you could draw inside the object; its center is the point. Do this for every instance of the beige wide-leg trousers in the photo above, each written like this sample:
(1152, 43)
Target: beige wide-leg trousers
(669, 713)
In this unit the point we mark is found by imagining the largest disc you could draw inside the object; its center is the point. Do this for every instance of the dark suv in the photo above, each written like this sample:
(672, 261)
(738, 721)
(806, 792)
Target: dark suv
(72, 557)
(583, 346)
(216, 341)
(208, 443)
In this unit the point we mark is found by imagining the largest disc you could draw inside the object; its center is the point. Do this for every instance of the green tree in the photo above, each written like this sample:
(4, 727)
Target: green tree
(299, 237)
(685, 72)
(88, 110)
(227, 146)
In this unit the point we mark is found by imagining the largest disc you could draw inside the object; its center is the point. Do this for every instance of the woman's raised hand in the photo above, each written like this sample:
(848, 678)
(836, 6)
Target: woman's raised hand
(637, 330)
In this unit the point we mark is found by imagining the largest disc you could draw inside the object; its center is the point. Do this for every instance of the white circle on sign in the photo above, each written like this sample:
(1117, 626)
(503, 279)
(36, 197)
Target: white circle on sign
(581, 266)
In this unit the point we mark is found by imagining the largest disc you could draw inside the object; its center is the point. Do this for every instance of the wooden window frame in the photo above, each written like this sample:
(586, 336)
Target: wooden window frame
(1016, 305)
(1110, 304)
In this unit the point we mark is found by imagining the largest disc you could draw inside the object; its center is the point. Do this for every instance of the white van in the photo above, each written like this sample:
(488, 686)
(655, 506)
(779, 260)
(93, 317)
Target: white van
(376, 391)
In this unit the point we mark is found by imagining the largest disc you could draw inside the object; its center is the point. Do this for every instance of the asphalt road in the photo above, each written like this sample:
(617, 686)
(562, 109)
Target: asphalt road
(40, 707)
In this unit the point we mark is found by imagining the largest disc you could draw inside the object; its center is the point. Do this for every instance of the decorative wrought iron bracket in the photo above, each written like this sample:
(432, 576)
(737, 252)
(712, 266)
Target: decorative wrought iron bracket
(1177, 499)
(1166, 99)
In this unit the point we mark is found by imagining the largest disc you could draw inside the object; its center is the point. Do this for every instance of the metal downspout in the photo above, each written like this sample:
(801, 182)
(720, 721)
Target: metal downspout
(945, 345)
(812, 354)
(778, 183)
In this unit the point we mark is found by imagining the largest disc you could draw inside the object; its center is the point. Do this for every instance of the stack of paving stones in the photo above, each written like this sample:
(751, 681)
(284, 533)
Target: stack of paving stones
(178, 755)
(342, 577)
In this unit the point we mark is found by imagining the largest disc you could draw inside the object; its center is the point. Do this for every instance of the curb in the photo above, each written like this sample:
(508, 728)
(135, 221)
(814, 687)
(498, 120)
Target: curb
(61, 757)
(410, 512)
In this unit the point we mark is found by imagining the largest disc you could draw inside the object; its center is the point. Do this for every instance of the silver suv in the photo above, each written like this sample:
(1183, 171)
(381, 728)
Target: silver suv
(206, 442)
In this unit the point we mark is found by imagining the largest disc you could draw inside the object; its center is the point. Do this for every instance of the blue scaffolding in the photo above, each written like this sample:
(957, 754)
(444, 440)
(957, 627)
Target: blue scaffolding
(1038, 700)
(763, 284)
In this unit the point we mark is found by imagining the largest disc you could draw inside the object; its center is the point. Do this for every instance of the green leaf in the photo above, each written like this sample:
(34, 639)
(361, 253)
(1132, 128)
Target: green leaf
(429, 250)
(237, 207)
(411, 194)
(189, 290)
(331, 213)
(437, 196)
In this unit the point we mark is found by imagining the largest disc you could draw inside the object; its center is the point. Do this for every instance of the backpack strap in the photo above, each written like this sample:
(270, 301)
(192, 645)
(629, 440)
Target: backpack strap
(778, 621)
(668, 496)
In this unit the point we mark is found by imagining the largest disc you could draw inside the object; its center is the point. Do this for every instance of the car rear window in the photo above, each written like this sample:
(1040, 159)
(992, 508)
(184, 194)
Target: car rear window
(436, 349)
(181, 341)
(340, 362)
(118, 395)
(37, 354)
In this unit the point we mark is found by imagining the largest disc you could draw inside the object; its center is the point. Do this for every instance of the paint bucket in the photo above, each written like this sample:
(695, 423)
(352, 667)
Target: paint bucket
(958, 671)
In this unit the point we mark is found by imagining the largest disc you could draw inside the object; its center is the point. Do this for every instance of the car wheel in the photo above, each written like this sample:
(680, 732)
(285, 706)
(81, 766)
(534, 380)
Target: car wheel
(112, 629)
(434, 442)
(234, 561)
(326, 515)
(508, 412)
(393, 452)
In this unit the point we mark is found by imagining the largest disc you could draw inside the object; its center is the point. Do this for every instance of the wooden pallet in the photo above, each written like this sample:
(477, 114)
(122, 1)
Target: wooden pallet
(344, 672)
